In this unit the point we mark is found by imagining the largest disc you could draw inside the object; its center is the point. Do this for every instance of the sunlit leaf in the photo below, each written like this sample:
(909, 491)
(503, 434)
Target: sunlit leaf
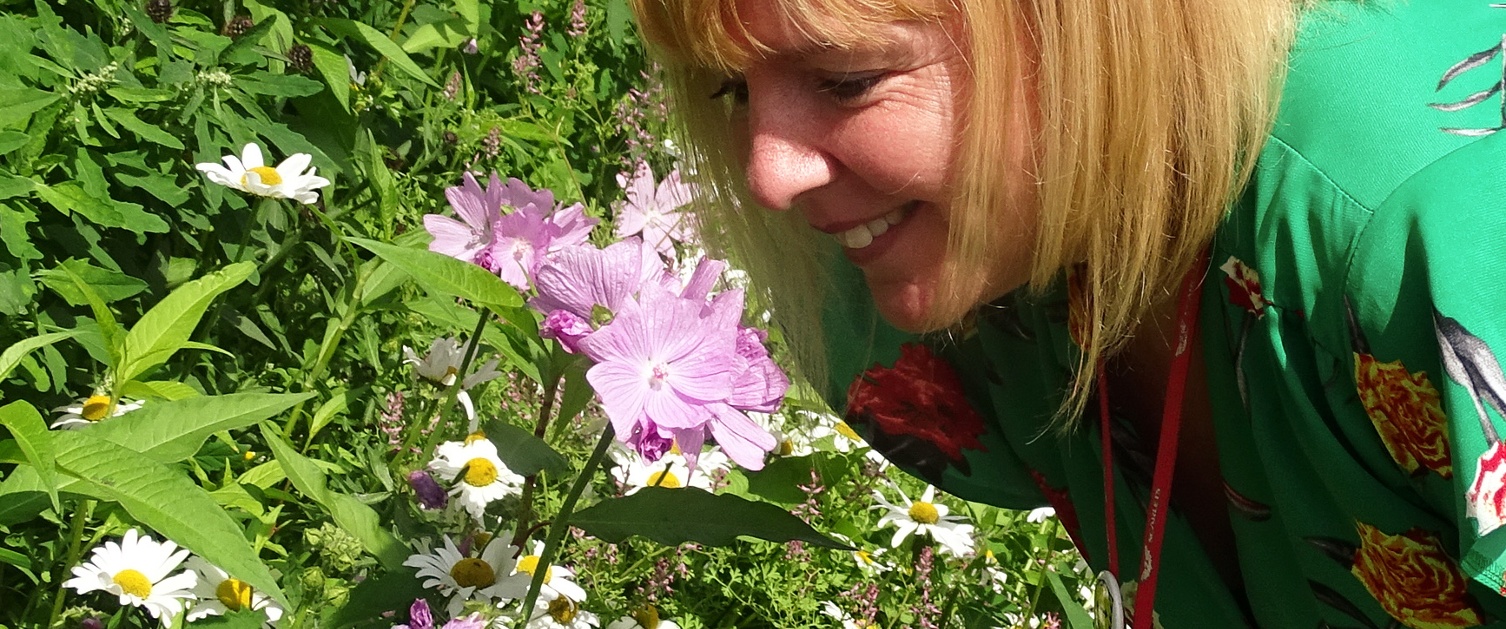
(109, 285)
(12, 355)
(675, 516)
(169, 432)
(31, 434)
(378, 41)
(445, 275)
(165, 328)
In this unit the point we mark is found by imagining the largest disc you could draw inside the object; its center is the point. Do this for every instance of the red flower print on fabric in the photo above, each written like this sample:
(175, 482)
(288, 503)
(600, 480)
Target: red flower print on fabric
(920, 396)
(1413, 579)
(1244, 287)
(1486, 499)
(1406, 411)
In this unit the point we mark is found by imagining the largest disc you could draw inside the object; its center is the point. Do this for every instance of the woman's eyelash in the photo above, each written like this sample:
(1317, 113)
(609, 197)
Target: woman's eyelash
(736, 88)
(849, 88)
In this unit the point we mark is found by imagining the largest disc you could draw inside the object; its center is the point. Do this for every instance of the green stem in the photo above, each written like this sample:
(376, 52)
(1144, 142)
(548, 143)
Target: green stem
(397, 29)
(75, 539)
(525, 516)
(327, 348)
(453, 391)
(1040, 582)
(562, 523)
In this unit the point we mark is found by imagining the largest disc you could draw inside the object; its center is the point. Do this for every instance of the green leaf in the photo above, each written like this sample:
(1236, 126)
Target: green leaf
(12, 355)
(523, 453)
(149, 132)
(165, 501)
(689, 514)
(31, 434)
(141, 94)
(12, 140)
(445, 275)
(10, 452)
(287, 85)
(378, 41)
(350, 514)
(169, 432)
(251, 38)
(68, 197)
(392, 591)
(18, 104)
(109, 285)
(158, 389)
(165, 328)
(446, 34)
(164, 187)
(335, 70)
(332, 407)
(13, 186)
(1077, 617)
(113, 335)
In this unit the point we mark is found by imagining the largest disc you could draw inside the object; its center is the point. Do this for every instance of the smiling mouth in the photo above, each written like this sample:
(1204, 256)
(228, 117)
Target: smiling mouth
(863, 235)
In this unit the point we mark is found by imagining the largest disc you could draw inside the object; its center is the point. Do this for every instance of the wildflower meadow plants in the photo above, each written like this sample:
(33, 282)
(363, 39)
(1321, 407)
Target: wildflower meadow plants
(369, 314)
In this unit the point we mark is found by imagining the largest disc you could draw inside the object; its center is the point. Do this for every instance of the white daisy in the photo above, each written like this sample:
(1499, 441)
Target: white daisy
(646, 617)
(218, 593)
(867, 560)
(137, 570)
(848, 622)
(822, 426)
(560, 612)
(92, 409)
(556, 578)
(1040, 515)
(489, 578)
(479, 477)
(251, 174)
(953, 533)
(442, 365)
(671, 471)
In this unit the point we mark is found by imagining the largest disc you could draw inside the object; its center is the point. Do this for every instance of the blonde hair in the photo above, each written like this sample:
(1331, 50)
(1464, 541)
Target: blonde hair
(1150, 115)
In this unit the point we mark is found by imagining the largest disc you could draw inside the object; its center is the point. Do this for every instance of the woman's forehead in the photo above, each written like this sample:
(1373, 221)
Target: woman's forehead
(729, 35)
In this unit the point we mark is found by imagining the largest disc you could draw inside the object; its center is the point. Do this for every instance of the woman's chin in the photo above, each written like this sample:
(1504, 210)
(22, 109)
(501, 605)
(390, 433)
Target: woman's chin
(905, 305)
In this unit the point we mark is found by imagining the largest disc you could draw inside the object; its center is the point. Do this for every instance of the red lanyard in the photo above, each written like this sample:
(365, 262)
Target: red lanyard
(1166, 452)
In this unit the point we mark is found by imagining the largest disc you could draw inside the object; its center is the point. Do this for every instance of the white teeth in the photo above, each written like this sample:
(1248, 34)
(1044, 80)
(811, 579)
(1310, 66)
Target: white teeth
(863, 235)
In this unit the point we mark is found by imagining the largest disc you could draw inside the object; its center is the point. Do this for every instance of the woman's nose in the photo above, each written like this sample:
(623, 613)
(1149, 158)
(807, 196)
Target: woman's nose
(786, 157)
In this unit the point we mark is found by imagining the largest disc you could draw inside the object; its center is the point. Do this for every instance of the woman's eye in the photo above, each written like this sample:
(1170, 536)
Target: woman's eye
(851, 87)
(737, 89)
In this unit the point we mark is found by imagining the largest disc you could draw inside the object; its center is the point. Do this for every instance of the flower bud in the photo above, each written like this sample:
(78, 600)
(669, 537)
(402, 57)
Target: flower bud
(430, 495)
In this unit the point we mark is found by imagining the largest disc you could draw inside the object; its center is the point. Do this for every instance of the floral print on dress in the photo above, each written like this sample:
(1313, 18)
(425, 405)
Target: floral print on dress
(1244, 286)
(1480, 59)
(916, 413)
(1471, 363)
(1406, 411)
(1413, 579)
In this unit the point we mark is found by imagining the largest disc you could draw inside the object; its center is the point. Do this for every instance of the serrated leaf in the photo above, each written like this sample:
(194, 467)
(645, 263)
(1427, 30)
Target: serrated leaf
(13, 186)
(68, 197)
(445, 275)
(18, 104)
(12, 140)
(12, 355)
(165, 328)
(165, 501)
(379, 42)
(149, 132)
(523, 453)
(662, 515)
(173, 431)
(164, 187)
(32, 436)
(358, 519)
(109, 285)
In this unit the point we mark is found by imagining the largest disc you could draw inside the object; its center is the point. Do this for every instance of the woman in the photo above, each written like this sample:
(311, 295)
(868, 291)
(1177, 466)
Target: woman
(1232, 233)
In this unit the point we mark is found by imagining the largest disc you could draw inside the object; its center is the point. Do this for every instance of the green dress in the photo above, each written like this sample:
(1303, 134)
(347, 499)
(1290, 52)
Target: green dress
(1350, 315)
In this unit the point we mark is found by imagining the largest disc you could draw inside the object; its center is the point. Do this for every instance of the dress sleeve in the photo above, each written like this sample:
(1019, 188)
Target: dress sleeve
(1425, 302)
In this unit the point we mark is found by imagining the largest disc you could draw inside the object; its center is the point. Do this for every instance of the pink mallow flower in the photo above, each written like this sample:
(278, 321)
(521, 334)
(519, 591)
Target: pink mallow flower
(654, 211)
(581, 287)
(511, 245)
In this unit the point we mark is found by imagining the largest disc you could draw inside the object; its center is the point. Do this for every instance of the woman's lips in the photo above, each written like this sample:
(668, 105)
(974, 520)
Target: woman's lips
(866, 242)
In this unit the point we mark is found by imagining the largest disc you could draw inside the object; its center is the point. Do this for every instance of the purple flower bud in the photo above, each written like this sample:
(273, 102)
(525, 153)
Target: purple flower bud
(566, 327)
(91, 623)
(419, 616)
(430, 494)
(470, 47)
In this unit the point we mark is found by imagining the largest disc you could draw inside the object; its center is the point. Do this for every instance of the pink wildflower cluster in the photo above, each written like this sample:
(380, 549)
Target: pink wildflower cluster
(513, 244)
(926, 610)
(673, 365)
(652, 211)
(526, 65)
(577, 19)
(640, 110)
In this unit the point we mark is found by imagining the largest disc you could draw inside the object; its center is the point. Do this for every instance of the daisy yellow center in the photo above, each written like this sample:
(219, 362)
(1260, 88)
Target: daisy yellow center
(665, 478)
(529, 563)
(648, 617)
(865, 557)
(474, 437)
(473, 573)
(480, 472)
(96, 407)
(786, 447)
(234, 593)
(269, 176)
(563, 610)
(846, 431)
(924, 513)
(133, 583)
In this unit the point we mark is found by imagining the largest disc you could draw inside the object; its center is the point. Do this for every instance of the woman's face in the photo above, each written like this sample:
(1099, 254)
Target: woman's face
(861, 143)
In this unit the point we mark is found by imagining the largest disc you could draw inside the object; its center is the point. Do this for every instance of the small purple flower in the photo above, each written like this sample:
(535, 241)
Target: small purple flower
(654, 212)
(511, 245)
(475, 232)
(418, 616)
(430, 494)
(91, 623)
(470, 47)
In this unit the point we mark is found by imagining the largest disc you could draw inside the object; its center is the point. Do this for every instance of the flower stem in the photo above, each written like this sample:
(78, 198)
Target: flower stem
(562, 523)
(453, 391)
(75, 539)
(1040, 582)
(525, 516)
